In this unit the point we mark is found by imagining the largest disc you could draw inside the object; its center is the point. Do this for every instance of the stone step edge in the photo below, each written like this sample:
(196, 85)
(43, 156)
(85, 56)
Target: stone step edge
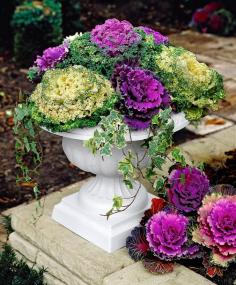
(16, 241)
(20, 245)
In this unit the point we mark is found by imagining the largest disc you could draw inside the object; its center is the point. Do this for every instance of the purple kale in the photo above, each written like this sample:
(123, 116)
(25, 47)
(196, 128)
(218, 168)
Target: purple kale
(51, 57)
(167, 236)
(143, 95)
(114, 36)
(188, 186)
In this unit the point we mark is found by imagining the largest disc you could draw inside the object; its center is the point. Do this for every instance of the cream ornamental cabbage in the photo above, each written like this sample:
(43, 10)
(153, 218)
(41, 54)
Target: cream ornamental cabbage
(184, 63)
(70, 93)
(194, 86)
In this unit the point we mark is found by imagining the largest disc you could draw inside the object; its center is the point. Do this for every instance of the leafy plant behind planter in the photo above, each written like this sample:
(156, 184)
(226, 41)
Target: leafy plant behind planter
(71, 16)
(6, 12)
(36, 24)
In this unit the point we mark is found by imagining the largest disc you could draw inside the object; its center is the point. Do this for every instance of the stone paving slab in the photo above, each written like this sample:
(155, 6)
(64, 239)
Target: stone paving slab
(207, 44)
(205, 150)
(72, 259)
(226, 137)
(209, 124)
(136, 275)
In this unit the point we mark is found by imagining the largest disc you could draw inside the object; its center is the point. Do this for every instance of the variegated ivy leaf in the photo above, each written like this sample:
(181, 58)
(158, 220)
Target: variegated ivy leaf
(159, 161)
(178, 156)
(159, 185)
(162, 118)
(112, 134)
(106, 150)
(127, 169)
(117, 202)
(159, 144)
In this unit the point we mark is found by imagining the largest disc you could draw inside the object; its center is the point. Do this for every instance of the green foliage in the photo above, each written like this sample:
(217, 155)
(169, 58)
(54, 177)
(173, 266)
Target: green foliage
(6, 12)
(37, 25)
(33, 73)
(117, 202)
(6, 222)
(127, 169)
(71, 16)
(229, 21)
(116, 206)
(194, 87)
(178, 156)
(159, 186)
(91, 121)
(161, 140)
(84, 52)
(25, 144)
(112, 134)
(16, 272)
(148, 51)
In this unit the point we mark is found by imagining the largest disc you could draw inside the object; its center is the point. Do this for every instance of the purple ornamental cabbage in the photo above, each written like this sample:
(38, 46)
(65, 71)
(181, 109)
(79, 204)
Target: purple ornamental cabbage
(217, 227)
(167, 236)
(158, 37)
(51, 56)
(188, 186)
(114, 36)
(143, 95)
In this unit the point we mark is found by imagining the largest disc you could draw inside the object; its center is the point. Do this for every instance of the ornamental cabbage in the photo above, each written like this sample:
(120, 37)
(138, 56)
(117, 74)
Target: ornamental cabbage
(114, 36)
(167, 236)
(217, 227)
(70, 93)
(188, 186)
(143, 95)
(194, 86)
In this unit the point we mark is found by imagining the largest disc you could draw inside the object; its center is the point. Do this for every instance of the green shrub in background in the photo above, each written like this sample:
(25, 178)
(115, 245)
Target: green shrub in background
(6, 11)
(37, 25)
(71, 17)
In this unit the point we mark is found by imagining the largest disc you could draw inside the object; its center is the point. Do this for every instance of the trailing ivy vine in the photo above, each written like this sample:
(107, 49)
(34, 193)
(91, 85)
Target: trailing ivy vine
(28, 151)
(112, 133)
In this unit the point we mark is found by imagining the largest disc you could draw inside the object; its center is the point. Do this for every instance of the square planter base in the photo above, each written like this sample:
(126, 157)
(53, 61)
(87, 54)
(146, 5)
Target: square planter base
(109, 234)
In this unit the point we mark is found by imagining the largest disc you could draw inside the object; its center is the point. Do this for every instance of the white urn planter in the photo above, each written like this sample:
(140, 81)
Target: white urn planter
(83, 212)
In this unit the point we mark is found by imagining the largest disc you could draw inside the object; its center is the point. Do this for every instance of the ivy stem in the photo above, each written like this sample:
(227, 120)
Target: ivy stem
(124, 207)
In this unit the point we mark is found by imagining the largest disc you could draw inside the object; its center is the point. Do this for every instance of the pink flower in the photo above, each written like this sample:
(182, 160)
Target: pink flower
(167, 236)
(217, 227)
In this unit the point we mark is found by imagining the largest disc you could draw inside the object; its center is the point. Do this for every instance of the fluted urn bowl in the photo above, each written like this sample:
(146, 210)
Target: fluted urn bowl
(83, 212)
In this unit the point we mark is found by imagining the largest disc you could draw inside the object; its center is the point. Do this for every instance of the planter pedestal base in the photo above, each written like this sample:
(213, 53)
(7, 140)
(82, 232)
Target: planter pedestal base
(83, 213)
(110, 234)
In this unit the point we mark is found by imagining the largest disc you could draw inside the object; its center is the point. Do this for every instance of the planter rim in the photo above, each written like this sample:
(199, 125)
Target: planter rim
(84, 134)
